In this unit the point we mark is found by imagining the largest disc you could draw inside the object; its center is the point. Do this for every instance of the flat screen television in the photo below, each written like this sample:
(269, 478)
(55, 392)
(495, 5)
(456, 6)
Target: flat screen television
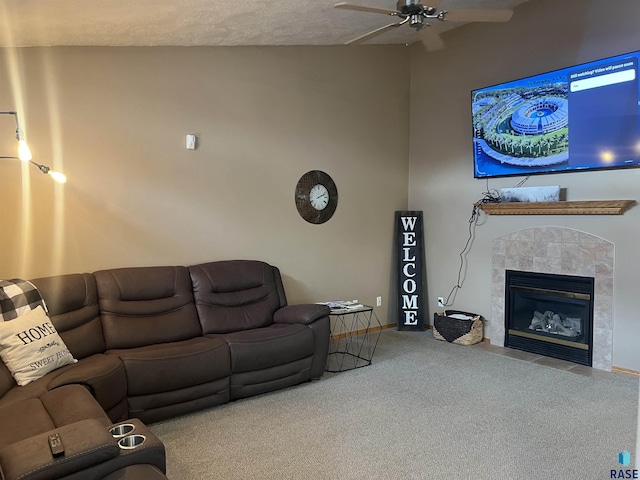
(579, 118)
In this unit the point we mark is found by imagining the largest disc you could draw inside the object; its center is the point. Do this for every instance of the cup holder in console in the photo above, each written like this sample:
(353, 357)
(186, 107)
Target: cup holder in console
(131, 441)
(122, 430)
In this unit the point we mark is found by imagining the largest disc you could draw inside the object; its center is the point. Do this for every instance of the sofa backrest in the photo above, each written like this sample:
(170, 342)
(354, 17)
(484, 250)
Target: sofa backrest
(236, 294)
(72, 302)
(146, 305)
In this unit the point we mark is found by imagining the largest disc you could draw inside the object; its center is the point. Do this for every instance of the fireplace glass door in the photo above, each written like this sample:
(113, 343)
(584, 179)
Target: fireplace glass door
(550, 315)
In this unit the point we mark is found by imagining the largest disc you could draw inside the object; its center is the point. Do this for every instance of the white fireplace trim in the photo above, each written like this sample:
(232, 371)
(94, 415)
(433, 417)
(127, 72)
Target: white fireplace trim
(563, 251)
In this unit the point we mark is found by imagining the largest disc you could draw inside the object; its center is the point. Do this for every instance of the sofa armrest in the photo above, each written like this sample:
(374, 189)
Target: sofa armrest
(103, 375)
(305, 313)
(150, 452)
(86, 443)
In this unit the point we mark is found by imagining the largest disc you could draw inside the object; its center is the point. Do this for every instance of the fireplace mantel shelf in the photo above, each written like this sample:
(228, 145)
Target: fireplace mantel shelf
(583, 207)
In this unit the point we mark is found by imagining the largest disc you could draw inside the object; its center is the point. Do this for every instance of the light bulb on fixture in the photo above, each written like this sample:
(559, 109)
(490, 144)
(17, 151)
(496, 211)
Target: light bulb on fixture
(24, 152)
(57, 176)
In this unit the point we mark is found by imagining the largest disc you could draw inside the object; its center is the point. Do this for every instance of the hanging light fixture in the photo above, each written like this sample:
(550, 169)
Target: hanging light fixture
(24, 153)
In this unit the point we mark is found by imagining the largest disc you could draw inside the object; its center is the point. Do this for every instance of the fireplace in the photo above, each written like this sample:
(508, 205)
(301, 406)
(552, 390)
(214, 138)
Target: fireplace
(560, 251)
(550, 315)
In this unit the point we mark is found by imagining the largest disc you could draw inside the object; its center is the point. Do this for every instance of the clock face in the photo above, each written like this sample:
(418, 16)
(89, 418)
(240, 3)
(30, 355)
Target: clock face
(316, 197)
(319, 197)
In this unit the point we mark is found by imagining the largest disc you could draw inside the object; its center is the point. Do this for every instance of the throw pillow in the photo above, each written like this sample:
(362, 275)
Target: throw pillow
(18, 297)
(31, 347)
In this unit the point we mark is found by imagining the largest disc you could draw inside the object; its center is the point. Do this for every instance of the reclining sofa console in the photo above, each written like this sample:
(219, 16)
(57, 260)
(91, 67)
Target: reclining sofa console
(152, 343)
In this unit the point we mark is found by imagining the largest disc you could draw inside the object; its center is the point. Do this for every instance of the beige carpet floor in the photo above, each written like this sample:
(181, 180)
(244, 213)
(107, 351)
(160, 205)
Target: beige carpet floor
(424, 409)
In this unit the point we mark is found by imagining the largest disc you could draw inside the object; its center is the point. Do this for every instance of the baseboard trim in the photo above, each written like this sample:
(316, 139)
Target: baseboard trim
(363, 331)
(614, 369)
(626, 371)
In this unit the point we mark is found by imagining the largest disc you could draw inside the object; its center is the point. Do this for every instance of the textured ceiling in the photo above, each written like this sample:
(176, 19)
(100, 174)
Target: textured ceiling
(205, 22)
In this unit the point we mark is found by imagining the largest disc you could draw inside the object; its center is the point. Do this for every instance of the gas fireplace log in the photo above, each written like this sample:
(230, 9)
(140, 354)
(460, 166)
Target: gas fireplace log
(551, 323)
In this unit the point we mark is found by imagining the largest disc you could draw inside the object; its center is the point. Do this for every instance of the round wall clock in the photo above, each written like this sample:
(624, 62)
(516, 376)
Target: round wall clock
(316, 197)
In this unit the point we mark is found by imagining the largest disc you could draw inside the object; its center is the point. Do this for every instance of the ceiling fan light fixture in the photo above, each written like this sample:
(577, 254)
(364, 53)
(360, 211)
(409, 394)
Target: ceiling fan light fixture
(418, 16)
(417, 22)
(410, 7)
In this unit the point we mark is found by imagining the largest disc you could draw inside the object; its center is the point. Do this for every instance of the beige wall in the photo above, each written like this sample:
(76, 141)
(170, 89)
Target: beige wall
(543, 35)
(115, 119)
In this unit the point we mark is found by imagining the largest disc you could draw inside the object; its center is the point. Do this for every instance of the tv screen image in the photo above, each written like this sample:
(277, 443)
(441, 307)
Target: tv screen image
(578, 118)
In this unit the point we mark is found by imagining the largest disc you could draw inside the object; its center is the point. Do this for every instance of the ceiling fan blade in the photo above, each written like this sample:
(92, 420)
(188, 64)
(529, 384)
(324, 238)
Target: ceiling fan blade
(431, 39)
(374, 33)
(478, 15)
(360, 8)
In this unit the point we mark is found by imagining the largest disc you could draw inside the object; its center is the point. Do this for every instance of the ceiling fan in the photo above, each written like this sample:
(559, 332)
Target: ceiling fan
(417, 16)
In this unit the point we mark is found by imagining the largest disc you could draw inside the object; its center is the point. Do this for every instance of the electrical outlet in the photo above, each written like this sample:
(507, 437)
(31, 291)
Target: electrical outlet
(441, 301)
(378, 301)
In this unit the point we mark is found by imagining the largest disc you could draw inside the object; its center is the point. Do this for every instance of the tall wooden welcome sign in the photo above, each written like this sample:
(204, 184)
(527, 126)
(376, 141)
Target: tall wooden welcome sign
(410, 244)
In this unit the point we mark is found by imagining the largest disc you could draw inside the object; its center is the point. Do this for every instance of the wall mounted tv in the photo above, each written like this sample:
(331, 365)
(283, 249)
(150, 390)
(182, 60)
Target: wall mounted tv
(578, 118)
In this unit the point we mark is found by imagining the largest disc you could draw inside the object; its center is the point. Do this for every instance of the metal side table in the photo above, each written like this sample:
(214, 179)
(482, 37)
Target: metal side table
(354, 337)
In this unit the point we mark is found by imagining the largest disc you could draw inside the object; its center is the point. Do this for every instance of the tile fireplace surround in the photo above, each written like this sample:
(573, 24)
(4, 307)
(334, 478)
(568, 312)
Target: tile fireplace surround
(561, 251)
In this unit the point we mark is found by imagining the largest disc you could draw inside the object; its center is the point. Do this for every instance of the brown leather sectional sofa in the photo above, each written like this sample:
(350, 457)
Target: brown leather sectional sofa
(152, 343)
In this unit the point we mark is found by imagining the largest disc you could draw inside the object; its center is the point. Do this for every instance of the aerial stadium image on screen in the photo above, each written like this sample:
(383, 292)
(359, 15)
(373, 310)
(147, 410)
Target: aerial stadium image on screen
(521, 127)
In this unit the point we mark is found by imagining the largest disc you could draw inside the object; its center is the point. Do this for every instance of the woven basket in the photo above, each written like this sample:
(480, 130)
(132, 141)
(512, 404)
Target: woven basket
(455, 330)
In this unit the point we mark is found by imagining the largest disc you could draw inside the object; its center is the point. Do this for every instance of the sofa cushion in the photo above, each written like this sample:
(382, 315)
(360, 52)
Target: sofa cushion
(262, 348)
(72, 403)
(270, 358)
(236, 295)
(35, 389)
(73, 308)
(31, 347)
(103, 375)
(59, 407)
(146, 306)
(166, 367)
(22, 420)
